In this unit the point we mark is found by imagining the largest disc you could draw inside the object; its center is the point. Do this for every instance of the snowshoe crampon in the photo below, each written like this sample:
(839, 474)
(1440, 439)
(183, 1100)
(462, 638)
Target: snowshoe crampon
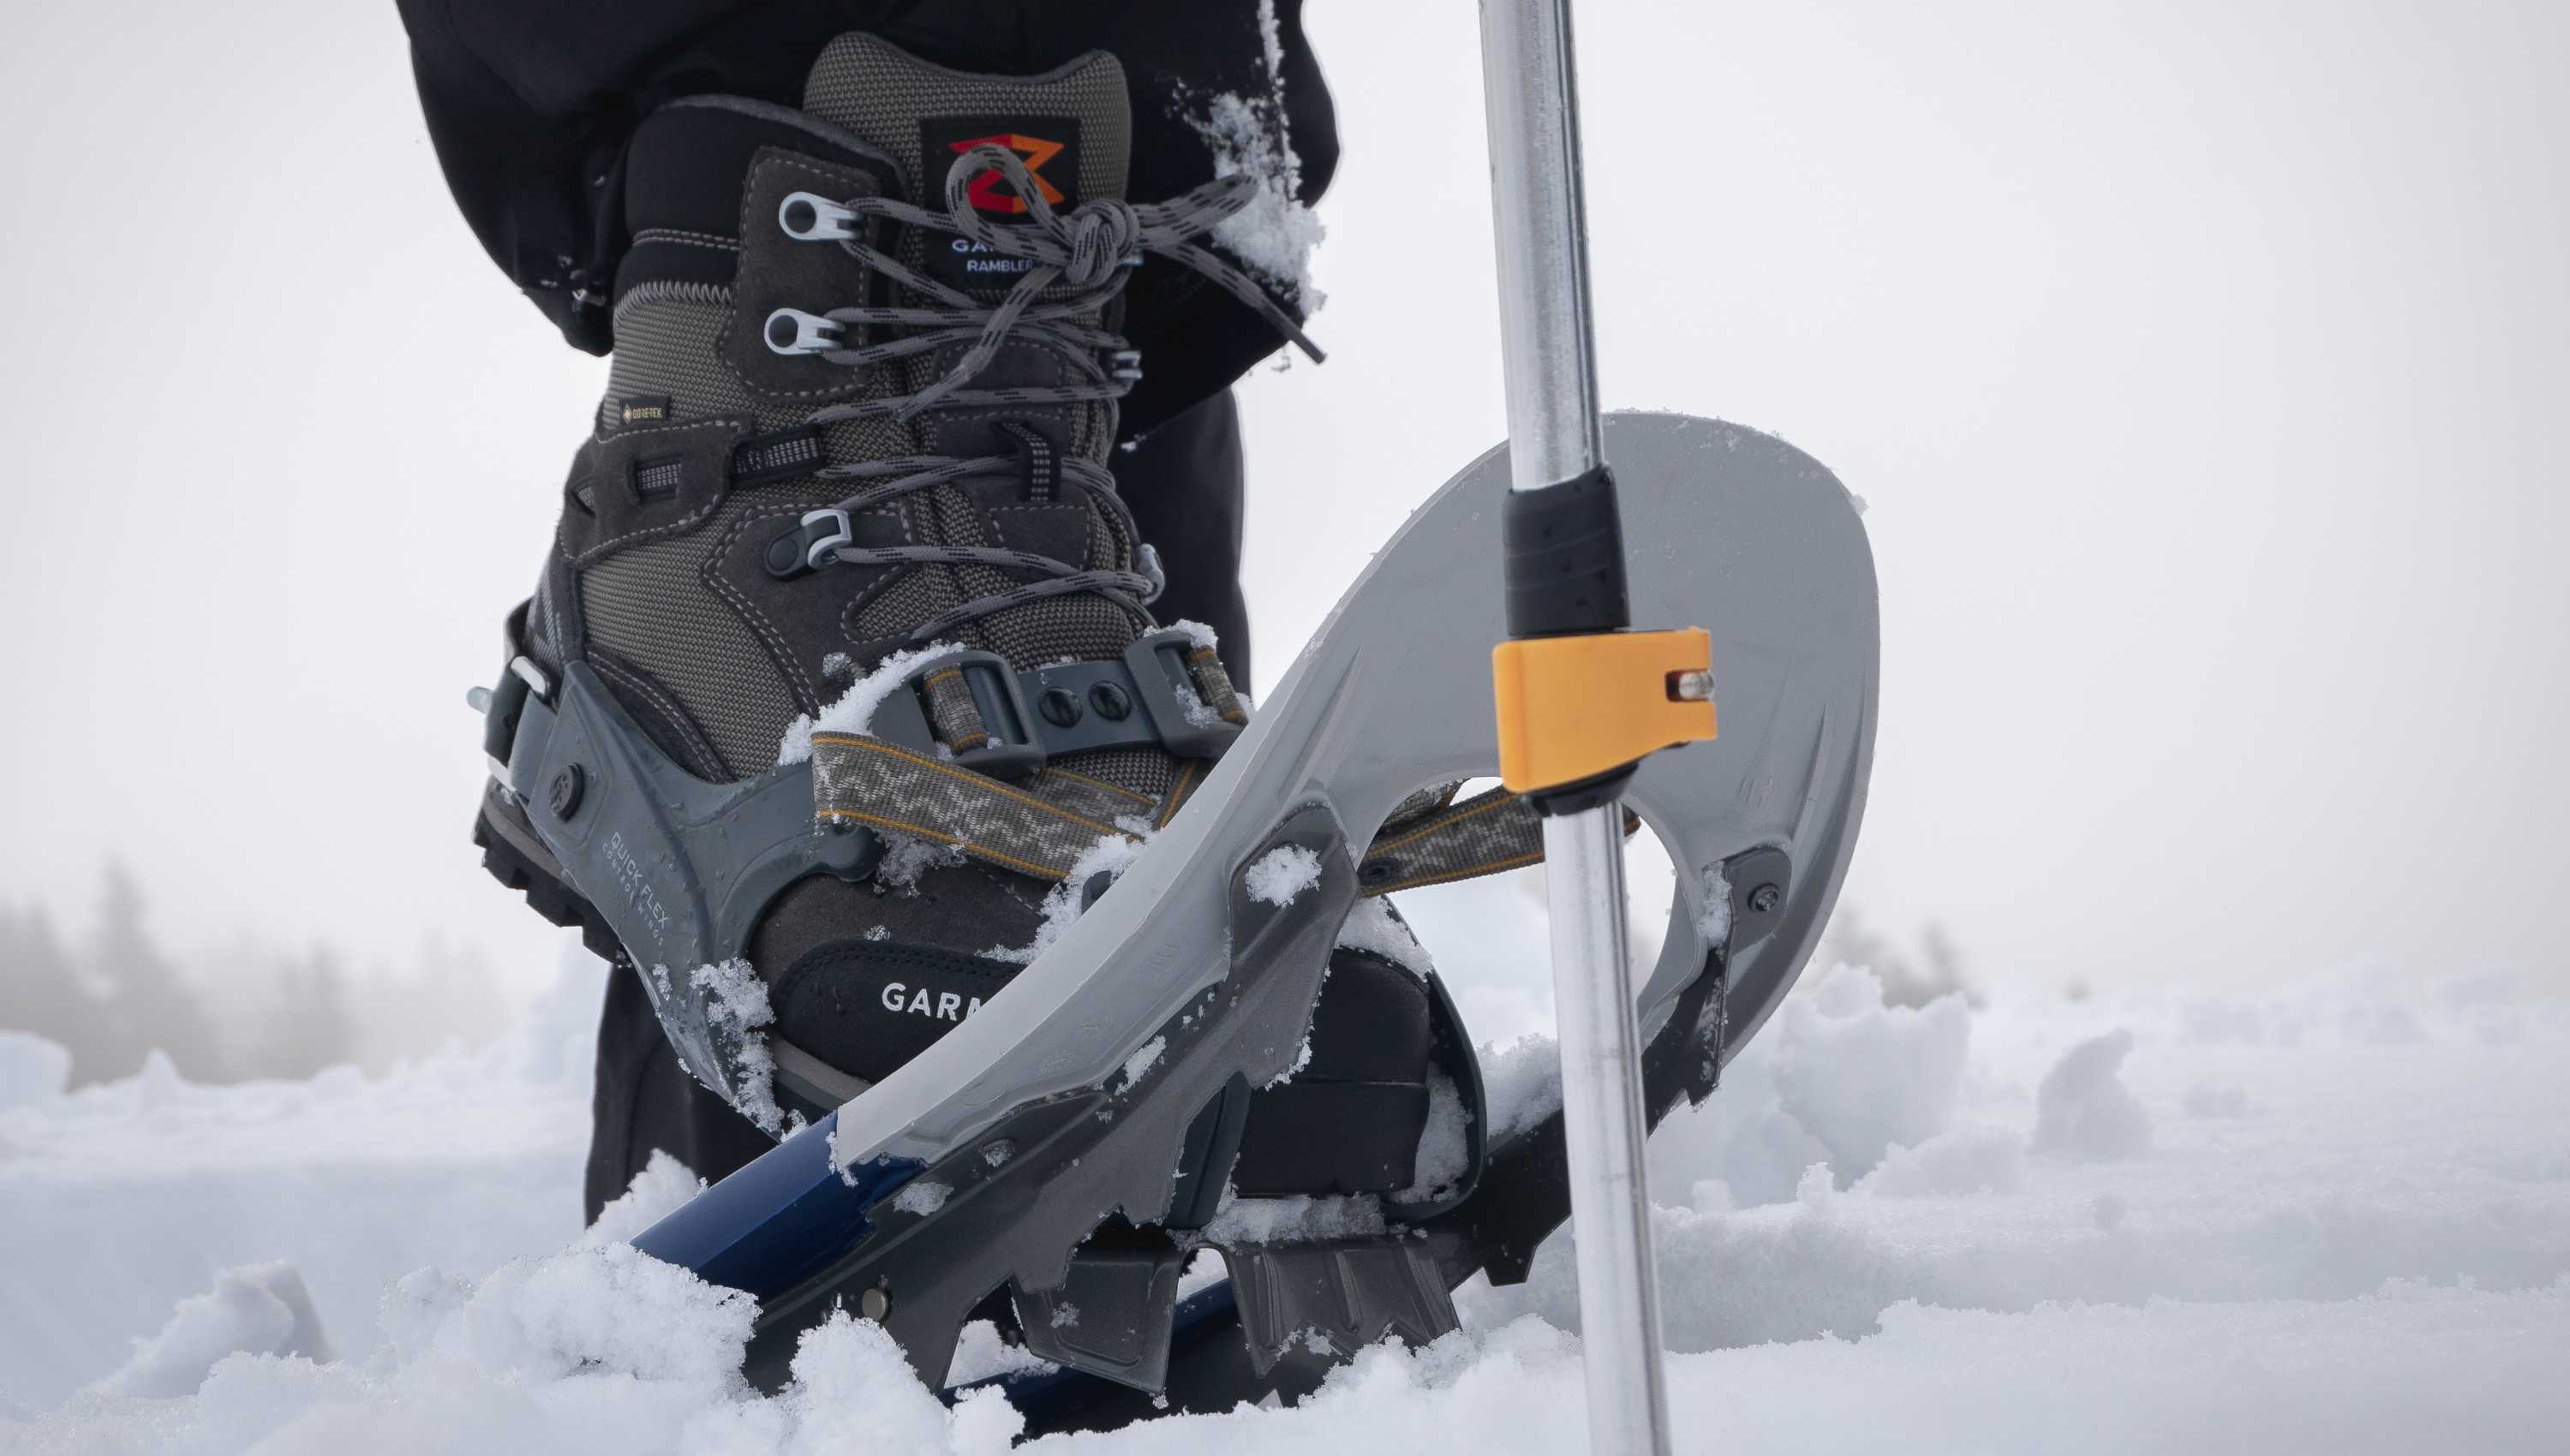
(1058, 1155)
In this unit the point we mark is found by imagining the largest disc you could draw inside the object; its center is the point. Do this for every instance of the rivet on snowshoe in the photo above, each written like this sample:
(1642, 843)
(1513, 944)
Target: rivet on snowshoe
(1764, 897)
(564, 794)
(874, 1305)
(1059, 708)
(1111, 702)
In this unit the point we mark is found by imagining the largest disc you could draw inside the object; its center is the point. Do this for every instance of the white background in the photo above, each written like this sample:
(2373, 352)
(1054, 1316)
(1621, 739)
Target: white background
(2203, 366)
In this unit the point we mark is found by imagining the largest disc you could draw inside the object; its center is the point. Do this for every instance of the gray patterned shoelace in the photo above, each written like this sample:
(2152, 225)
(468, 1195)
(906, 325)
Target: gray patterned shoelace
(1081, 258)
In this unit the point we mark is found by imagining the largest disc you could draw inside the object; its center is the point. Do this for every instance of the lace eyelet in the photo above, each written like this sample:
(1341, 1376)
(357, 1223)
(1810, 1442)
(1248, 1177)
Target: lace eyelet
(792, 331)
(811, 218)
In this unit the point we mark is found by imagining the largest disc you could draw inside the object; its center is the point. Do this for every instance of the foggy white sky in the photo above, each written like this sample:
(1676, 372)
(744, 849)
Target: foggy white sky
(2202, 364)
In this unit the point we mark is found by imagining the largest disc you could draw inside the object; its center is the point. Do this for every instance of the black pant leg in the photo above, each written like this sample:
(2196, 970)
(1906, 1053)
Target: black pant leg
(1184, 485)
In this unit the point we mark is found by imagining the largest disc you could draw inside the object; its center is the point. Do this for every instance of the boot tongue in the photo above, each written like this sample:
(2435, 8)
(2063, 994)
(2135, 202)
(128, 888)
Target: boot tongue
(1072, 125)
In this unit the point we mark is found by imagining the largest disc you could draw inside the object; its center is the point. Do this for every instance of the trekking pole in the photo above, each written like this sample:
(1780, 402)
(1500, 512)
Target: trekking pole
(1581, 698)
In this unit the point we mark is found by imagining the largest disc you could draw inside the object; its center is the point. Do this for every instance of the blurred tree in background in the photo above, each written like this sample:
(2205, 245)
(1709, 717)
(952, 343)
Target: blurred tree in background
(235, 1012)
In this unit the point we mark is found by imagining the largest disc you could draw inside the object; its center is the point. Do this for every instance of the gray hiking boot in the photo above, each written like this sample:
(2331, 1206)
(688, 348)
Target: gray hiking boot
(848, 498)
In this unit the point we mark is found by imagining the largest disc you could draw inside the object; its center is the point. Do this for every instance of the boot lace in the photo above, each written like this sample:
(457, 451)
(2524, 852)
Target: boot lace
(1080, 261)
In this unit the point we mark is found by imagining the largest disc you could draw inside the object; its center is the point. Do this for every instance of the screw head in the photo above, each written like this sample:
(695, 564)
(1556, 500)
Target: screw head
(874, 1305)
(1765, 898)
(565, 792)
(1111, 702)
(1059, 708)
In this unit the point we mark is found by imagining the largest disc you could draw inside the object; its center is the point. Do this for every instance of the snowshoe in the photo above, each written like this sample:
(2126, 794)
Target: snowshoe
(1058, 1154)
(840, 704)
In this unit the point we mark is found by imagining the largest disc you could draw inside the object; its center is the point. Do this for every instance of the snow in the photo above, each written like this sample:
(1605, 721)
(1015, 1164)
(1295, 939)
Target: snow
(32, 1069)
(1713, 922)
(1521, 1083)
(2083, 1109)
(1111, 855)
(1371, 926)
(738, 1005)
(921, 1196)
(1445, 1152)
(1276, 234)
(854, 710)
(905, 859)
(1143, 1059)
(261, 1308)
(2363, 1246)
(1198, 632)
(1293, 1219)
(1282, 874)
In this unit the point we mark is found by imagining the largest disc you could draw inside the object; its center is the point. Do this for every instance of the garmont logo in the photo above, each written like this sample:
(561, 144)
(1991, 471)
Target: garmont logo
(985, 191)
(943, 1007)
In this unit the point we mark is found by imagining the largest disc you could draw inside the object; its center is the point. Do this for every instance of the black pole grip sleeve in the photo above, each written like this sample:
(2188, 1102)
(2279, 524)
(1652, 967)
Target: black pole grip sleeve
(1564, 546)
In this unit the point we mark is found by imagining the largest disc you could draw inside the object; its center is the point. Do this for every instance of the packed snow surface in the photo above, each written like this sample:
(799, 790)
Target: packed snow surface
(2333, 1215)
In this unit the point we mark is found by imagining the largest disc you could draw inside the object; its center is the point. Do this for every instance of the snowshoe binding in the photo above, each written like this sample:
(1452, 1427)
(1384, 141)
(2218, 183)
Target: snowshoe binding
(839, 711)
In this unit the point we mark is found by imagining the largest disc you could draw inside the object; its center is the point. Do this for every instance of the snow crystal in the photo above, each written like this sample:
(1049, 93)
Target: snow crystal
(907, 857)
(1271, 43)
(1371, 926)
(1198, 632)
(1444, 1144)
(738, 1005)
(1275, 233)
(1282, 874)
(259, 1310)
(878, 933)
(921, 1196)
(2083, 1109)
(854, 710)
(1065, 1315)
(1145, 1059)
(1111, 855)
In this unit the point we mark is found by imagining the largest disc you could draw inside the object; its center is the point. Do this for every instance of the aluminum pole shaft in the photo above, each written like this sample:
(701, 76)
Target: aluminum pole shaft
(1555, 436)
(1542, 221)
(1602, 1127)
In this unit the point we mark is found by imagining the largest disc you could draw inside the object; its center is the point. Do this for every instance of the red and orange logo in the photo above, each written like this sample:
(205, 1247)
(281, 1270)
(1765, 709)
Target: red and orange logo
(987, 190)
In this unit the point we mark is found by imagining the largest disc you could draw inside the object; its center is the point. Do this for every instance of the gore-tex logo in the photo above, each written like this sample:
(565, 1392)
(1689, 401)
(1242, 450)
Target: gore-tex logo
(985, 189)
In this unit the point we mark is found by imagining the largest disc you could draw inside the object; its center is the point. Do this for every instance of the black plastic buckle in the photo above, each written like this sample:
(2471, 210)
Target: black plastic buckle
(1187, 724)
(506, 704)
(1014, 750)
